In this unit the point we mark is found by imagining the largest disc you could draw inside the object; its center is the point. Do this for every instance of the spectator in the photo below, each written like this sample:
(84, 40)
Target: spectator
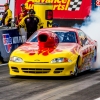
(22, 14)
(30, 23)
(7, 16)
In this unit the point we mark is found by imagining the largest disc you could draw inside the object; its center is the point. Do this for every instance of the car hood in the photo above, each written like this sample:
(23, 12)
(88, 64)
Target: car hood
(30, 52)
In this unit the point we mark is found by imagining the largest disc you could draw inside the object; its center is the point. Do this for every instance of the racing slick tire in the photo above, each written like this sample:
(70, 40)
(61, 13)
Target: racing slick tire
(95, 55)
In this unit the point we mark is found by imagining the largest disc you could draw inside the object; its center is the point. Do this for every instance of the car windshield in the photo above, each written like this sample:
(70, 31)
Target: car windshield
(64, 36)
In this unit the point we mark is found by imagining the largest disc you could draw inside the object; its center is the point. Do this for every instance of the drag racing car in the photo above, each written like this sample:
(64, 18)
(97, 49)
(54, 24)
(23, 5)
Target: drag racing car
(58, 51)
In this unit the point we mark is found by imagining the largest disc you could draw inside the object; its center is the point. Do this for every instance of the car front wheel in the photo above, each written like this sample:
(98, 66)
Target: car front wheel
(76, 70)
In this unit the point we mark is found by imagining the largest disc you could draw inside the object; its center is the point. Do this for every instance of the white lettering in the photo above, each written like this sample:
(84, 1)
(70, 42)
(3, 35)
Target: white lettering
(15, 40)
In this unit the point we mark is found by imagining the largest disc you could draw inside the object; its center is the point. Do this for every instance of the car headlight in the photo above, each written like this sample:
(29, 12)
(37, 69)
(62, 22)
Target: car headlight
(16, 59)
(60, 60)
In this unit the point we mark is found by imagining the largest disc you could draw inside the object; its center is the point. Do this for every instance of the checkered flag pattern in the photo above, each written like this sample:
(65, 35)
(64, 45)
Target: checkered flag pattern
(74, 5)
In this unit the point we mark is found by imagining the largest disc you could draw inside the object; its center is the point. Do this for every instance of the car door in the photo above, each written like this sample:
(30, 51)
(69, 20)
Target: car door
(85, 51)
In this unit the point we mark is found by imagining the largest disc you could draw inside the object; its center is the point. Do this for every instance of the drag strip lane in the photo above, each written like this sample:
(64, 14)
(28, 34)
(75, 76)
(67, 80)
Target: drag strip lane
(65, 90)
(42, 88)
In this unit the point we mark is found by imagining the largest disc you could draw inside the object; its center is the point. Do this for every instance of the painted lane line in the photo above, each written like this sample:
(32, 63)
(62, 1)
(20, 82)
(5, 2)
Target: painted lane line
(97, 98)
(3, 64)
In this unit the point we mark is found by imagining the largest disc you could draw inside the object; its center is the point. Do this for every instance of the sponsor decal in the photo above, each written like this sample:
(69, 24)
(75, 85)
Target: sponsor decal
(97, 2)
(57, 4)
(49, 23)
(9, 41)
(36, 60)
(29, 4)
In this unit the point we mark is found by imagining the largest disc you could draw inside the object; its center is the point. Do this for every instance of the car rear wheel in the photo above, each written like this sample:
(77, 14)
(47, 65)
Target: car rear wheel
(95, 55)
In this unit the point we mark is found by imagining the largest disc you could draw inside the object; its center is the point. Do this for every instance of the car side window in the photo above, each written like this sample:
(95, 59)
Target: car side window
(67, 37)
(83, 38)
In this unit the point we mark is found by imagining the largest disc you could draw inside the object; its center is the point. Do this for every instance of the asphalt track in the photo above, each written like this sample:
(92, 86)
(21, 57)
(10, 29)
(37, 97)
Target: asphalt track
(84, 87)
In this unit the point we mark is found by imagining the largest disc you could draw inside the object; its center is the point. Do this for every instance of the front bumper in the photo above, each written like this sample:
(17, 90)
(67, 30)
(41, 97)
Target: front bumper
(41, 69)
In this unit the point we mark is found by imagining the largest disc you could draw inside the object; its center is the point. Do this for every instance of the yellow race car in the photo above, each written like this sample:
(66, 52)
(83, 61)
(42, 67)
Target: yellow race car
(59, 51)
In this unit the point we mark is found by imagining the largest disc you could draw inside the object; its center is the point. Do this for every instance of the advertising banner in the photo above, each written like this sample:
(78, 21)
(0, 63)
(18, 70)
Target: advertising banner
(10, 39)
(63, 9)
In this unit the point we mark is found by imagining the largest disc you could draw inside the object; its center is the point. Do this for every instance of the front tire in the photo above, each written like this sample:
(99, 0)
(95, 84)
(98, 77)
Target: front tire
(76, 70)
